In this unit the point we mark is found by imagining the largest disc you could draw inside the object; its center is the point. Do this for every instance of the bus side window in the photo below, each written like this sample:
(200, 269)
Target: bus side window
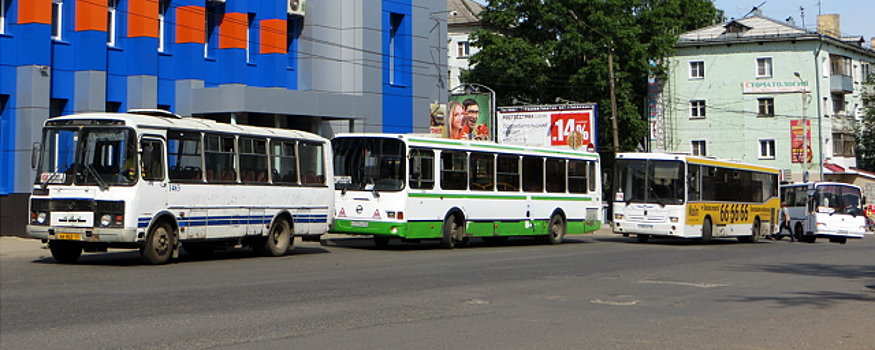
(153, 160)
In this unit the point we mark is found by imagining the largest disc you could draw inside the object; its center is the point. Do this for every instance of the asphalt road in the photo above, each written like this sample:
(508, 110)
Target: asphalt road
(592, 292)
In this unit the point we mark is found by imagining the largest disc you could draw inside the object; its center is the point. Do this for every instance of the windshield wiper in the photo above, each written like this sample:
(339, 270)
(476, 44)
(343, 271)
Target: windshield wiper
(100, 183)
(657, 198)
(50, 179)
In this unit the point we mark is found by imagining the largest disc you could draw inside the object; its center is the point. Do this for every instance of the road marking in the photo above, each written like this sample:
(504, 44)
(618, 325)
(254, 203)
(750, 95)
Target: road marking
(614, 303)
(686, 284)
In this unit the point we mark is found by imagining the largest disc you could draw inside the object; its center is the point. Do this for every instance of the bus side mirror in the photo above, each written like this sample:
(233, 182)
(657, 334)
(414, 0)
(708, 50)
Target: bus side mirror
(34, 155)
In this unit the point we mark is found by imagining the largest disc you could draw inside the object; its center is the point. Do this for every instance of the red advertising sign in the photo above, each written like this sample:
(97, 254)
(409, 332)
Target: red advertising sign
(571, 129)
(798, 141)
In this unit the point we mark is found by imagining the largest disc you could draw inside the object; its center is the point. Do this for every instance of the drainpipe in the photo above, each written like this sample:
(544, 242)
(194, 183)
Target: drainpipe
(819, 104)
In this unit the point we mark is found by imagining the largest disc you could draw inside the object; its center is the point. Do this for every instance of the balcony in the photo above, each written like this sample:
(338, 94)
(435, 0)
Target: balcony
(841, 84)
(843, 123)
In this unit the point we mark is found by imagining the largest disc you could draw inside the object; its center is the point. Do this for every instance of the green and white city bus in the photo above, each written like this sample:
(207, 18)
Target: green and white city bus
(414, 187)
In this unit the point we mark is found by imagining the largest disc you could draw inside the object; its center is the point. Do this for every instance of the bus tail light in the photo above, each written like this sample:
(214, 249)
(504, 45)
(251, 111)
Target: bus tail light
(400, 215)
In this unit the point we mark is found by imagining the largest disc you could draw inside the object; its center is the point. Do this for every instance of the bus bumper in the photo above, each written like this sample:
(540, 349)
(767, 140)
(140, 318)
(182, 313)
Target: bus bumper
(653, 229)
(83, 234)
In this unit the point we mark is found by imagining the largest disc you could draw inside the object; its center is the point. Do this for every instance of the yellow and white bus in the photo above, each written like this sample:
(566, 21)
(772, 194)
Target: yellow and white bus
(151, 180)
(394, 186)
(674, 195)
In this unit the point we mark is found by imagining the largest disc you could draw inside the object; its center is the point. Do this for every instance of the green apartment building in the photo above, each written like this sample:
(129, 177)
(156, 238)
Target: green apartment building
(747, 88)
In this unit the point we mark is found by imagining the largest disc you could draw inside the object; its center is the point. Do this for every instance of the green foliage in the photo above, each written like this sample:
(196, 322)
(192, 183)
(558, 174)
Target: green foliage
(866, 132)
(536, 51)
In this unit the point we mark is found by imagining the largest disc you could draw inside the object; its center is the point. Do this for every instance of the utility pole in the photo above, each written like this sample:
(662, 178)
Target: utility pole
(611, 77)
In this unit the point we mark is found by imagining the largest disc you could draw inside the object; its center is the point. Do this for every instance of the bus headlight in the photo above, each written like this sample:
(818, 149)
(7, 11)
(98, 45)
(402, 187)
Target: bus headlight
(673, 219)
(105, 220)
(41, 217)
(618, 216)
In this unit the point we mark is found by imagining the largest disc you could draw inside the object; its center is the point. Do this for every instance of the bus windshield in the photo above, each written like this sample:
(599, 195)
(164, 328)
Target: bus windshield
(649, 181)
(88, 156)
(369, 164)
(838, 199)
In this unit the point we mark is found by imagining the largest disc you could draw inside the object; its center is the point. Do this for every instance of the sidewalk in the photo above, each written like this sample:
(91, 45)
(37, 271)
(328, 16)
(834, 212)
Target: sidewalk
(12, 246)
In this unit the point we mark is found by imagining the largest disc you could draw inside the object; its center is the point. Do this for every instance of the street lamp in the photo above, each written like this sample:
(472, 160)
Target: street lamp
(805, 165)
(611, 77)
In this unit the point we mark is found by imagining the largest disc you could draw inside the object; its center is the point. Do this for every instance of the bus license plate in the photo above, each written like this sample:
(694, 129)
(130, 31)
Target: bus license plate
(647, 226)
(359, 224)
(69, 236)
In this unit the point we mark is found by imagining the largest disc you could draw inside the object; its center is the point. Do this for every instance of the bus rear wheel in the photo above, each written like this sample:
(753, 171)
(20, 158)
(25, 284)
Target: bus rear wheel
(65, 252)
(159, 245)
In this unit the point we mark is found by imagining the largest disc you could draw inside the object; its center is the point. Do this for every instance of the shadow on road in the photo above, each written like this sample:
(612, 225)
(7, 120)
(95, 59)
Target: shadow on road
(367, 243)
(820, 300)
(132, 257)
(821, 270)
(817, 299)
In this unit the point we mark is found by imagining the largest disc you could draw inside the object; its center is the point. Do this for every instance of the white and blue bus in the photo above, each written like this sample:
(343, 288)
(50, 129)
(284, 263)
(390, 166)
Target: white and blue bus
(151, 180)
(830, 210)
(408, 187)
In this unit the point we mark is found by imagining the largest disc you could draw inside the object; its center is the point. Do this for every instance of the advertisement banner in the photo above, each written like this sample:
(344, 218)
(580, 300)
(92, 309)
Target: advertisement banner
(438, 113)
(797, 140)
(565, 126)
(468, 117)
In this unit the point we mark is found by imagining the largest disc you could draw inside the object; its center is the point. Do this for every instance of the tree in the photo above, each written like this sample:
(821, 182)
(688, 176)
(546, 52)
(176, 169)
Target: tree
(866, 130)
(535, 51)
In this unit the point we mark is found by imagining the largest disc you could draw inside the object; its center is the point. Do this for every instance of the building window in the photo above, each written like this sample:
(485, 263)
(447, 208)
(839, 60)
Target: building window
(2, 16)
(211, 32)
(838, 104)
(840, 65)
(395, 21)
(464, 49)
(57, 18)
(292, 33)
(865, 70)
(843, 145)
(698, 147)
(250, 38)
(766, 107)
(764, 67)
(767, 149)
(697, 109)
(697, 70)
(111, 22)
(163, 5)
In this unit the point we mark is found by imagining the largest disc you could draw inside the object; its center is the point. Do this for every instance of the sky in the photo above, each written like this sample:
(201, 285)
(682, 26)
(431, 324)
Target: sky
(857, 16)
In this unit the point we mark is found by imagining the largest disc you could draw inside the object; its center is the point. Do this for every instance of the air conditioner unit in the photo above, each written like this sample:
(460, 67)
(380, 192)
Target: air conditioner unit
(297, 7)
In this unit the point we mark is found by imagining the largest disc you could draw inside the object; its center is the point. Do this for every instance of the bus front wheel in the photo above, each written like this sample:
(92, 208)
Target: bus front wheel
(278, 241)
(452, 230)
(65, 252)
(642, 238)
(706, 231)
(754, 233)
(159, 245)
(557, 229)
(381, 241)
